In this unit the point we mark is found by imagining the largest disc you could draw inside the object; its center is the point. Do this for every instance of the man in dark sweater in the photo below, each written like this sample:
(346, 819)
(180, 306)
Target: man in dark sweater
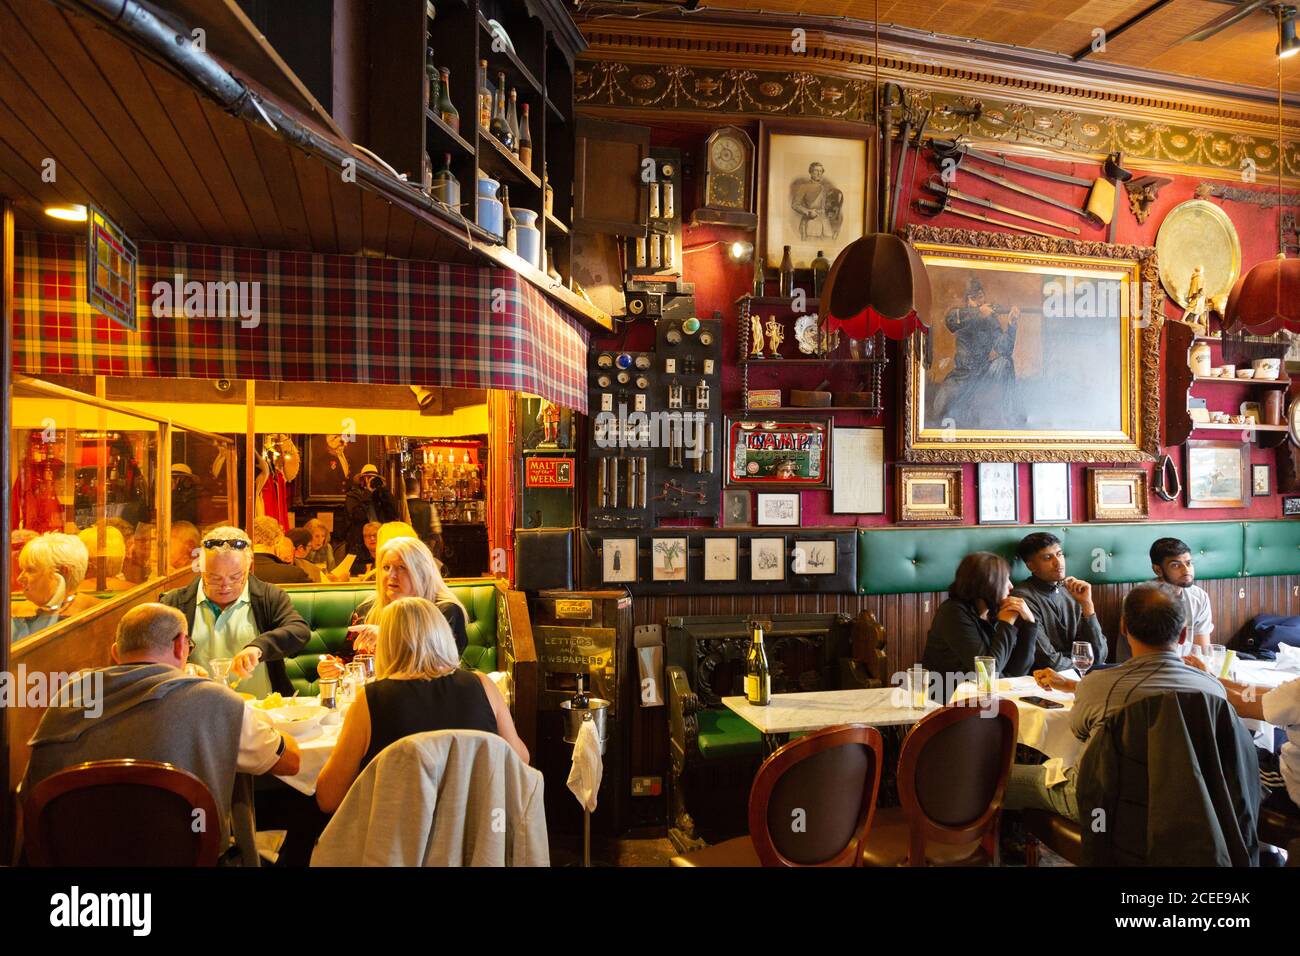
(1062, 605)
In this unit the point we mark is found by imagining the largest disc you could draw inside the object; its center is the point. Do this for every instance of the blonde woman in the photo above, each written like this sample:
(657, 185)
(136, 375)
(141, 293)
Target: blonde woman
(420, 687)
(51, 569)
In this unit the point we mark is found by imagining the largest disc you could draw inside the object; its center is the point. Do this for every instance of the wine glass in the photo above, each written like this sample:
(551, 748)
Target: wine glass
(1082, 657)
(219, 668)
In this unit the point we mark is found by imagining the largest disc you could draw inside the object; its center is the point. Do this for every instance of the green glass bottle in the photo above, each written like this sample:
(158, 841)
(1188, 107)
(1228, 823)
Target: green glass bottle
(821, 267)
(446, 109)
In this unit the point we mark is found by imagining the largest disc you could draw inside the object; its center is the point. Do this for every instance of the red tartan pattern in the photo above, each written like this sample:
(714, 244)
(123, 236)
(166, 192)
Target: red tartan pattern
(323, 318)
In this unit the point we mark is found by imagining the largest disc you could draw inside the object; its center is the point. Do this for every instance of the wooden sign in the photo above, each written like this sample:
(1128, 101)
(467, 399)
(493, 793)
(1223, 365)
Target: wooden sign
(548, 472)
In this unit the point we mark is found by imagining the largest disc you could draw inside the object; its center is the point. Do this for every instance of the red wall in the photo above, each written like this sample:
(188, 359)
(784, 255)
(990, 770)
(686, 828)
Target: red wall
(719, 282)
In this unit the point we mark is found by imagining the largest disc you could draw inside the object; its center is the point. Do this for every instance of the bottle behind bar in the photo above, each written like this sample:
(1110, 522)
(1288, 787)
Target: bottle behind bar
(821, 268)
(431, 78)
(525, 141)
(484, 96)
(758, 274)
(500, 127)
(512, 119)
(508, 221)
(758, 679)
(787, 274)
(446, 109)
(581, 700)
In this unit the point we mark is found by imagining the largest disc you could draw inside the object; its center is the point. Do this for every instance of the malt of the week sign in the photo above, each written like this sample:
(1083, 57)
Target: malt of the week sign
(546, 472)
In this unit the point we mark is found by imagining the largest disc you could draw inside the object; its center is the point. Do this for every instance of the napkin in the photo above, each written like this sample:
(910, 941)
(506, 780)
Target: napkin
(1288, 658)
(588, 767)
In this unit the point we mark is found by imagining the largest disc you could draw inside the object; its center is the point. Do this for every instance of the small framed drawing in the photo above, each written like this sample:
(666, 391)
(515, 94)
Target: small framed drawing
(669, 559)
(767, 559)
(858, 471)
(618, 559)
(735, 509)
(1259, 481)
(1291, 506)
(1118, 494)
(1052, 499)
(1217, 475)
(929, 493)
(813, 557)
(777, 510)
(998, 492)
(719, 559)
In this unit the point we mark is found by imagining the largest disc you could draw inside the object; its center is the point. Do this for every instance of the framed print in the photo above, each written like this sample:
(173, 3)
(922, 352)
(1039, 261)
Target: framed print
(813, 557)
(929, 493)
(331, 462)
(669, 559)
(735, 509)
(1118, 494)
(999, 376)
(719, 559)
(1052, 498)
(779, 454)
(767, 559)
(1259, 481)
(998, 490)
(618, 560)
(1291, 506)
(858, 470)
(1216, 475)
(777, 510)
(814, 190)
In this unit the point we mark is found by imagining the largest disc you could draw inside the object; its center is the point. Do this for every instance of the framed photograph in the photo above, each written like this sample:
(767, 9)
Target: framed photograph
(618, 560)
(735, 509)
(1259, 481)
(1291, 506)
(1118, 494)
(998, 489)
(1053, 503)
(1216, 475)
(767, 559)
(331, 462)
(814, 192)
(668, 561)
(929, 493)
(779, 454)
(998, 376)
(813, 557)
(858, 470)
(777, 510)
(720, 559)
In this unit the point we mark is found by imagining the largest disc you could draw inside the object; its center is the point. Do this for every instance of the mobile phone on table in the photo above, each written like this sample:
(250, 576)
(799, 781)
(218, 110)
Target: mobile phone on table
(1043, 702)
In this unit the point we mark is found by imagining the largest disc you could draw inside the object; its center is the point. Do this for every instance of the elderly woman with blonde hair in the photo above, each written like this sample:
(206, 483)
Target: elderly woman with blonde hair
(420, 688)
(51, 569)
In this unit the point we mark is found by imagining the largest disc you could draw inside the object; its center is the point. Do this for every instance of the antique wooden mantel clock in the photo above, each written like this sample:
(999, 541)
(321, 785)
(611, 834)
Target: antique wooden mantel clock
(727, 186)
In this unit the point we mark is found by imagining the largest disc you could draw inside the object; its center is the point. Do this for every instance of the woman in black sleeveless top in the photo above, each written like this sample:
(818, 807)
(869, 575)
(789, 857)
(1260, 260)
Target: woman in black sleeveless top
(420, 688)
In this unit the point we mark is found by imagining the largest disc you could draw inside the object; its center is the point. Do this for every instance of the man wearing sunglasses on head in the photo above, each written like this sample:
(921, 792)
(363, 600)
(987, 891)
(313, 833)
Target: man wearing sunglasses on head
(233, 615)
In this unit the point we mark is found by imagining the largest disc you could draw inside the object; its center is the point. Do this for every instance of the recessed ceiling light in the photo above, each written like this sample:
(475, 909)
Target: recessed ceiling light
(68, 212)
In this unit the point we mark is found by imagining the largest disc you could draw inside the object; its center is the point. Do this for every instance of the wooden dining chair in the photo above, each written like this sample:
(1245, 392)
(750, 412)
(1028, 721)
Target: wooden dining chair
(952, 774)
(811, 804)
(121, 813)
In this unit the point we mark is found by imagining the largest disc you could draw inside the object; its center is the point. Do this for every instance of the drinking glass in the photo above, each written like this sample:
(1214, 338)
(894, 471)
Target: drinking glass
(219, 668)
(986, 674)
(1205, 654)
(1082, 657)
(1218, 655)
(918, 682)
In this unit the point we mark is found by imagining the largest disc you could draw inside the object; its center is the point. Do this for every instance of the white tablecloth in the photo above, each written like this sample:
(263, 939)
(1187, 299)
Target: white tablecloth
(1047, 731)
(801, 713)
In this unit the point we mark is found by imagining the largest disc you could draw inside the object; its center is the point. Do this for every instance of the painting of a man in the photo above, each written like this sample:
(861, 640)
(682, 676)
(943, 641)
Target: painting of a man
(981, 388)
(818, 204)
(814, 197)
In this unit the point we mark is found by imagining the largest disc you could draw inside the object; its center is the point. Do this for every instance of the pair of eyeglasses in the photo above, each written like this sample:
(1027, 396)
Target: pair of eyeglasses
(212, 544)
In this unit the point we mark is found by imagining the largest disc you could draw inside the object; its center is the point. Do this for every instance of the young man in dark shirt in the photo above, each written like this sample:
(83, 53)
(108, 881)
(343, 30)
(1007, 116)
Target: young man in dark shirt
(1062, 604)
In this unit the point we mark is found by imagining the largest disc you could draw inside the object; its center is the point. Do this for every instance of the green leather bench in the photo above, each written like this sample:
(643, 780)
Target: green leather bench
(327, 609)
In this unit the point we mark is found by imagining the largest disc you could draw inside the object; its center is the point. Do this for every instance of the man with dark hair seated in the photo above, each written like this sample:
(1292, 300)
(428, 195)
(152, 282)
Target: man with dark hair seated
(1062, 605)
(1171, 560)
(1153, 623)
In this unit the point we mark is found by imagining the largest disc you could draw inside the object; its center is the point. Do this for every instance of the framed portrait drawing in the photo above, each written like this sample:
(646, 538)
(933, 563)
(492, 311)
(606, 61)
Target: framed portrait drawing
(929, 493)
(777, 510)
(668, 562)
(331, 462)
(1217, 474)
(1052, 498)
(618, 560)
(735, 509)
(858, 469)
(998, 490)
(767, 559)
(1000, 375)
(1259, 481)
(719, 559)
(1118, 494)
(813, 557)
(778, 454)
(814, 192)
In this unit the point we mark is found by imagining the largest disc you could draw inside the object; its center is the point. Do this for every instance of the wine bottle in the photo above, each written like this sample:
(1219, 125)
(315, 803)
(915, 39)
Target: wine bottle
(758, 678)
(500, 127)
(758, 274)
(821, 267)
(446, 109)
(512, 119)
(581, 700)
(525, 141)
(787, 274)
(484, 96)
(508, 221)
(431, 78)
(444, 187)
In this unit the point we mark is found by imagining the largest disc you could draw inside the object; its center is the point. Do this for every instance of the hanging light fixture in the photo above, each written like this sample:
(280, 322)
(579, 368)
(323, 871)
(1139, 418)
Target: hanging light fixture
(1267, 298)
(877, 283)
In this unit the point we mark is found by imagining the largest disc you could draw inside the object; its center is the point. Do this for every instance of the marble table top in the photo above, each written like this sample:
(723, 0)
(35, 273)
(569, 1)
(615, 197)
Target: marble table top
(800, 713)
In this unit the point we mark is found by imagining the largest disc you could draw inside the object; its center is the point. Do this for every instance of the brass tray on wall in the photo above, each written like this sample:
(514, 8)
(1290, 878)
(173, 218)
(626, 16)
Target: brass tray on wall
(1198, 233)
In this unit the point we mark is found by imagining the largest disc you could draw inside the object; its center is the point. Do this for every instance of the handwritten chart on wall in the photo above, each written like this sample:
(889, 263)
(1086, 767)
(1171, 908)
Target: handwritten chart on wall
(858, 465)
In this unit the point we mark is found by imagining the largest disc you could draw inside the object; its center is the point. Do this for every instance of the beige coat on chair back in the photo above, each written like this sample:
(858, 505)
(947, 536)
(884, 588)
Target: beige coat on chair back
(444, 798)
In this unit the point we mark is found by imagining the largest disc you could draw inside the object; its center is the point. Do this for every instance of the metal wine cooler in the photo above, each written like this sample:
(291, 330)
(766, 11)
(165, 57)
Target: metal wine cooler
(587, 634)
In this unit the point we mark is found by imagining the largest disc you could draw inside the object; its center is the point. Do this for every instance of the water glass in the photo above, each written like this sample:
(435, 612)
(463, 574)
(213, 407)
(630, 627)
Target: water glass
(1218, 659)
(1205, 654)
(219, 668)
(1081, 656)
(986, 674)
(367, 662)
(917, 685)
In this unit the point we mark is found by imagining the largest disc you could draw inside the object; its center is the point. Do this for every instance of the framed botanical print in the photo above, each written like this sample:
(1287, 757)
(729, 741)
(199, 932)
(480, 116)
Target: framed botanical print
(1118, 494)
(777, 510)
(767, 559)
(1259, 481)
(735, 509)
(1217, 473)
(813, 557)
(1000, 374)
(719, 559)
(998, 491)
(618, 560)
(779, 454)
(929, 493)
(668, 559)
(1053, 503)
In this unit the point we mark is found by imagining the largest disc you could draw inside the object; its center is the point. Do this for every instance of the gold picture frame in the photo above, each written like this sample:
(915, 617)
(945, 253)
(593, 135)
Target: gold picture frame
(1080, 377)
(929, 494)
(1118, 494)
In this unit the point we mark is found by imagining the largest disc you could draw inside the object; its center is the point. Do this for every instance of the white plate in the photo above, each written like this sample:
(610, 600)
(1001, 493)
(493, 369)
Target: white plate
(297, 719)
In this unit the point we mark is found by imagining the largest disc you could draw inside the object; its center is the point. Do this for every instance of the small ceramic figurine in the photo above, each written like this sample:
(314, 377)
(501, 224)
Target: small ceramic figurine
(1197, 312)
(774, 337)
(755, 337)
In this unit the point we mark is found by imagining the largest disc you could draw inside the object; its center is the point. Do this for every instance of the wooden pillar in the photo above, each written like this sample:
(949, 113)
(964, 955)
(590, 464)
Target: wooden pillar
(250, 451)
(7, 816)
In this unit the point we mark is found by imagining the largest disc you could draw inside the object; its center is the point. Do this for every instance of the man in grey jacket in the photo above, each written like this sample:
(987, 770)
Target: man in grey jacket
(1062, 604)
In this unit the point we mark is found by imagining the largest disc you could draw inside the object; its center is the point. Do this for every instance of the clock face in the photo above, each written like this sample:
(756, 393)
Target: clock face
(727, 154)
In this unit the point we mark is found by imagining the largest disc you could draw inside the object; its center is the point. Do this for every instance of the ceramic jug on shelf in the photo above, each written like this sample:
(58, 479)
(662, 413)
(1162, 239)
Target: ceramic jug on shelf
(1199, 359)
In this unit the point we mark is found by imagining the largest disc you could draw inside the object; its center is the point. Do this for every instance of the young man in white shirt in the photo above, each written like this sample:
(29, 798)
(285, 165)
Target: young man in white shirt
(1171, 560)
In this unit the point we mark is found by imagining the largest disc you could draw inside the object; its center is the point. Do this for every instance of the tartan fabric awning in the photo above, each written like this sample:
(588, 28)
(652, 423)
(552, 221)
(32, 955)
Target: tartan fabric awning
(297, 317)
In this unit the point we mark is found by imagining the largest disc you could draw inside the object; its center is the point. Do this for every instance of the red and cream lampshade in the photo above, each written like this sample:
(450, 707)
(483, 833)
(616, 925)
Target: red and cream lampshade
(1267, 298)
(877, 283)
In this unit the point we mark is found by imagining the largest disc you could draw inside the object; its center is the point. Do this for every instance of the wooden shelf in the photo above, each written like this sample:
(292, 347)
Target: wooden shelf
(1262, 383)
(595, 319)
(556, 224)
(556, 110)
(518, 69)
(1220, 427)
(865, 409)
(446, 134)
(777, 363)
(498, 159)
(777, 301)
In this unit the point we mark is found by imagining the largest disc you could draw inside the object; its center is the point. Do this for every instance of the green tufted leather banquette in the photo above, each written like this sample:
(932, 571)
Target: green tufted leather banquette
(327, 609)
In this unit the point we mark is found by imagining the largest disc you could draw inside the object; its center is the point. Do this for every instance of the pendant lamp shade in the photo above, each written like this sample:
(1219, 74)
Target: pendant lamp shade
(1266, 299)
(877, 283)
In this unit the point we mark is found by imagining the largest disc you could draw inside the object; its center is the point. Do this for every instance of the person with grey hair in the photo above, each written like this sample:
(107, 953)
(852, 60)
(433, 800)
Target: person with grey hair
(268, 563)
(232, 614)
(51, 569)
(145, 707)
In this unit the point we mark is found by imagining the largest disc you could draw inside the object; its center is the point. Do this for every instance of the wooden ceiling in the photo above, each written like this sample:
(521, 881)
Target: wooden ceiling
(1243, 54)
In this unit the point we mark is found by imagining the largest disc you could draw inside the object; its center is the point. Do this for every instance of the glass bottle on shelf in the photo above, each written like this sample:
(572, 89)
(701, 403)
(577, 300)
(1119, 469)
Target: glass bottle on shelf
(431, 78)
(525, 141)
(446, 109)
(758, 274)
(500, 127)
(508, 221)
(512, 119)
(445, 187)
(787, 274)
(821, 267)
(484, 96)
